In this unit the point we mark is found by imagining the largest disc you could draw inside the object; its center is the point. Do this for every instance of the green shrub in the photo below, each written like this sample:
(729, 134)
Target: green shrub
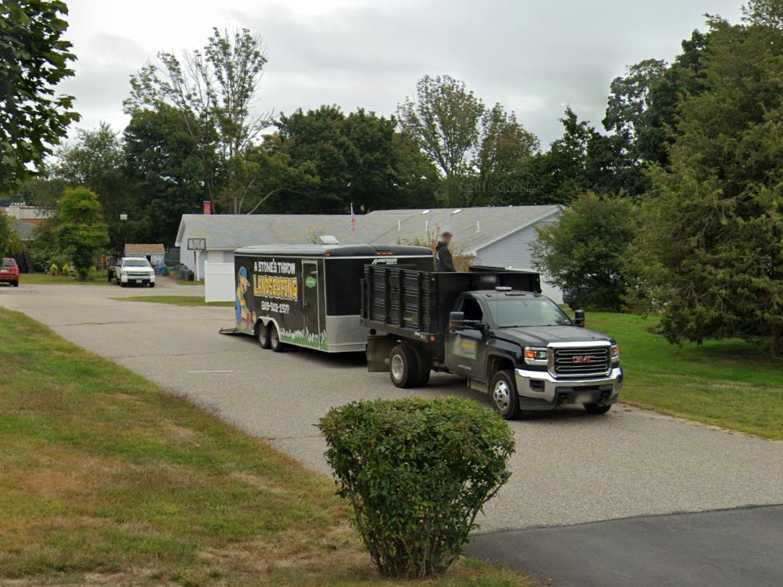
(417, 473)
(53, 269)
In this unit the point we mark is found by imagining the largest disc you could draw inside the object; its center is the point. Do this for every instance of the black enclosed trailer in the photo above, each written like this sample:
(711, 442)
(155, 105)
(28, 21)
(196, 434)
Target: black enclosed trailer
(310, 295)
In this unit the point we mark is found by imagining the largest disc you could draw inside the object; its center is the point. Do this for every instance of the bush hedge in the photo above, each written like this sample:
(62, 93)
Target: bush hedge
(417, 473)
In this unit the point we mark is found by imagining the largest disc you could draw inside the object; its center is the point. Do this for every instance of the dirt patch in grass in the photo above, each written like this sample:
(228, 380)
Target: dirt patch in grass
(107, 480)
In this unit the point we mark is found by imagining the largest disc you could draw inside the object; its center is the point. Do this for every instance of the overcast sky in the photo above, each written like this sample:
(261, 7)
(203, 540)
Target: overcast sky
(535, 57)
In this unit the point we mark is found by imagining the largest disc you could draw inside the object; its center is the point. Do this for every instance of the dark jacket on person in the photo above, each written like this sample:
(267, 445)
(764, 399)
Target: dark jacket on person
(443, 260)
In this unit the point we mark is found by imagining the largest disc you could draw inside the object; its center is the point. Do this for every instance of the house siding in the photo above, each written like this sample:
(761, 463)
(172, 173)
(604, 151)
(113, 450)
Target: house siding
(515, 251)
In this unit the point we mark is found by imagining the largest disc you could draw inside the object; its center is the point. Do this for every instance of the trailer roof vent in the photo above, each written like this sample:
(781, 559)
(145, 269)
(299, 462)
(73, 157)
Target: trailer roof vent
(502, 288)
(328, 239)
(457, 211)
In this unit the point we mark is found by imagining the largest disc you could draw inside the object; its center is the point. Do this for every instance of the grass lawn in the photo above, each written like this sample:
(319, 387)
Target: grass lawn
(95, 278)
(728, 383)
(174, 300)
(105, 478)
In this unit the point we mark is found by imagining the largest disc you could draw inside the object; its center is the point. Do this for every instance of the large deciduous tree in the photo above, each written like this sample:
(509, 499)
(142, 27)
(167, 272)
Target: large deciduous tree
(336, 160)
(34, 58)
(215, 90)
(475, 148)
(96, 160)
(81, 231)
(583, 251)
(164, 164)
(710, 255)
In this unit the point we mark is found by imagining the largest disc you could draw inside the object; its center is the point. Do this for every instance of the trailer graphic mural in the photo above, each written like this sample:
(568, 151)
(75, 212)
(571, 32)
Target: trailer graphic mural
(310, 293)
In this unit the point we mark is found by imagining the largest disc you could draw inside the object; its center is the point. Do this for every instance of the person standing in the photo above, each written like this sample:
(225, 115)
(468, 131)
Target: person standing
(443, 260)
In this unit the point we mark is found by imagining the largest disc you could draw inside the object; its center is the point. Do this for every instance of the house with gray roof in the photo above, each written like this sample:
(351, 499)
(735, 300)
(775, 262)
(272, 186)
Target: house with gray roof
(497, 236)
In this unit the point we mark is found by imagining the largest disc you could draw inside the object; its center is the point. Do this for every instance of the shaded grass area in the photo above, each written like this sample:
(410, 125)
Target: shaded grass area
(106, 479)
(728, 383)
(174, 300)
(95, 278)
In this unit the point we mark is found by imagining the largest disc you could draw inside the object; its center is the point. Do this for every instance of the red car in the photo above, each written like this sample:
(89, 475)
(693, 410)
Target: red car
(9, 271)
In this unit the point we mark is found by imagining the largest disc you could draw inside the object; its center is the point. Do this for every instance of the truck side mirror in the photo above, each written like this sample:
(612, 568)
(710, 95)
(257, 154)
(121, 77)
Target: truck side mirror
(456, 320)
(579, 318)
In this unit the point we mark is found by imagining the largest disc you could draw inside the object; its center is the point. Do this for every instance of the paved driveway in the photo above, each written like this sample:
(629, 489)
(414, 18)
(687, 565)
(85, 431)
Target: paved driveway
(569, 468)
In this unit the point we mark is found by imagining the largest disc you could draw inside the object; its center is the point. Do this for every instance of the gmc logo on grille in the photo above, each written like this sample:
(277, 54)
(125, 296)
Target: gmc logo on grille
(582, 359)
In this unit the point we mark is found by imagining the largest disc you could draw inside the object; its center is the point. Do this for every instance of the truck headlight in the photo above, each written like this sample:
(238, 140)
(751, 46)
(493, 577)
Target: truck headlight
(615, 353)
(535, 355)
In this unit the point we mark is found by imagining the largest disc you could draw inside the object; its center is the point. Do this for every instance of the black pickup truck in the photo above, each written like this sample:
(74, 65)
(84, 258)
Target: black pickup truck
(492, 327)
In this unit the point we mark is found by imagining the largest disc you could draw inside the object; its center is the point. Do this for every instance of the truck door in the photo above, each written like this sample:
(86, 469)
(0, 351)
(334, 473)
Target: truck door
(466, 347)
(310, 296)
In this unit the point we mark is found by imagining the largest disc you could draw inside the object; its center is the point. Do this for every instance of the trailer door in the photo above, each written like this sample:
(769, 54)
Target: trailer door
(311, 294)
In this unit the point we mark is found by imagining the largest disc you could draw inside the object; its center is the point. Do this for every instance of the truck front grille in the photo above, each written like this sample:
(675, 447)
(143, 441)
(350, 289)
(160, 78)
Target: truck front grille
(138, 275)
(582, 362)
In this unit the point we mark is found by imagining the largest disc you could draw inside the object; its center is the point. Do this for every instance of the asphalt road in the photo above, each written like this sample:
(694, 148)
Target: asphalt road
(569, 468)
(733, 548)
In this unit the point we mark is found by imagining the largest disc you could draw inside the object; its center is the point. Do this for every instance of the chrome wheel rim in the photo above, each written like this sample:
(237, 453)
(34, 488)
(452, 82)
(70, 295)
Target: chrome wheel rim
(397, 367)
(502, 395)
(274, 338)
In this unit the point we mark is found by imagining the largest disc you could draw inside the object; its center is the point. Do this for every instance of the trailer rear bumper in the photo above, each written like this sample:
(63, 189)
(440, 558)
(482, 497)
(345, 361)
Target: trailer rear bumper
(538, 390)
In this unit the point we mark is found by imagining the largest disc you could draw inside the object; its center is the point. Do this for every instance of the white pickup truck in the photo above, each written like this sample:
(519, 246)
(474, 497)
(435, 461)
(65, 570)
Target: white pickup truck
(134, 270)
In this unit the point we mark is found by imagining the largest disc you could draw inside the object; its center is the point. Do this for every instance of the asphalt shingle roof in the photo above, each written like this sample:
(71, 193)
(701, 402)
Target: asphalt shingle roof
(473, 228)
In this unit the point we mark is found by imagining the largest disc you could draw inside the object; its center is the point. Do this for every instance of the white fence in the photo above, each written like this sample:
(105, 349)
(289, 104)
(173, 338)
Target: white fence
(219, 283)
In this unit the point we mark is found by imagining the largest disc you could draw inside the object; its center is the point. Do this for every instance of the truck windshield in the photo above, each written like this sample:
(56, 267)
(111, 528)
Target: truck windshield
(520, 312)
(135, 263)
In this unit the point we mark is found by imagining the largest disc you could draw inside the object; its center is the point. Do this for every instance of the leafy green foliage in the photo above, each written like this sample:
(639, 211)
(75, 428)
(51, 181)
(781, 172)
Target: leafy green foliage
(417, 473)
(96, 160)
(324, 160)
(33, 60)
(583, 252)
(214, 91)
(167, 169)
(477, 150)
(5, 234)
(81, 232)
(709, 255)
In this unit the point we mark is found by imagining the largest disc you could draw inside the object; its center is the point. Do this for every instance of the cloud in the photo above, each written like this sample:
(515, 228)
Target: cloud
(534, 57)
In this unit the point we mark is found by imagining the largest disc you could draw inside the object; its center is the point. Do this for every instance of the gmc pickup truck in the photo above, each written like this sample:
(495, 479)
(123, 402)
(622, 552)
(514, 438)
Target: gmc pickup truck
(495, 329)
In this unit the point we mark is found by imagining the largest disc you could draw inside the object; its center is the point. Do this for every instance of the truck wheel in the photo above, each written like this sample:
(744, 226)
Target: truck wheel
(274, 340)
(403, 367)
(425, 367)
(597, 409)
(262, 334)
(503, 391)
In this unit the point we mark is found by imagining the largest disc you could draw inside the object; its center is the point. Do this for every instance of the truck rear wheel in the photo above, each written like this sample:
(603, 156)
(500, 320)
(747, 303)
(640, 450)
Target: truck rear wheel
(403, 367)
(274, 340)
(503, 392)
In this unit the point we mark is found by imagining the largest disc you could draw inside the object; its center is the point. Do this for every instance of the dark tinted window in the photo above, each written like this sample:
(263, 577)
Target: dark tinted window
(523, 311)
(472, 309)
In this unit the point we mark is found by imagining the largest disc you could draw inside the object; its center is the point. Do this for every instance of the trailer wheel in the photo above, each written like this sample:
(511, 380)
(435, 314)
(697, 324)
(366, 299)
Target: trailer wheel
(262, 334)
(403, 367)
(503, 392)
(274, 339)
